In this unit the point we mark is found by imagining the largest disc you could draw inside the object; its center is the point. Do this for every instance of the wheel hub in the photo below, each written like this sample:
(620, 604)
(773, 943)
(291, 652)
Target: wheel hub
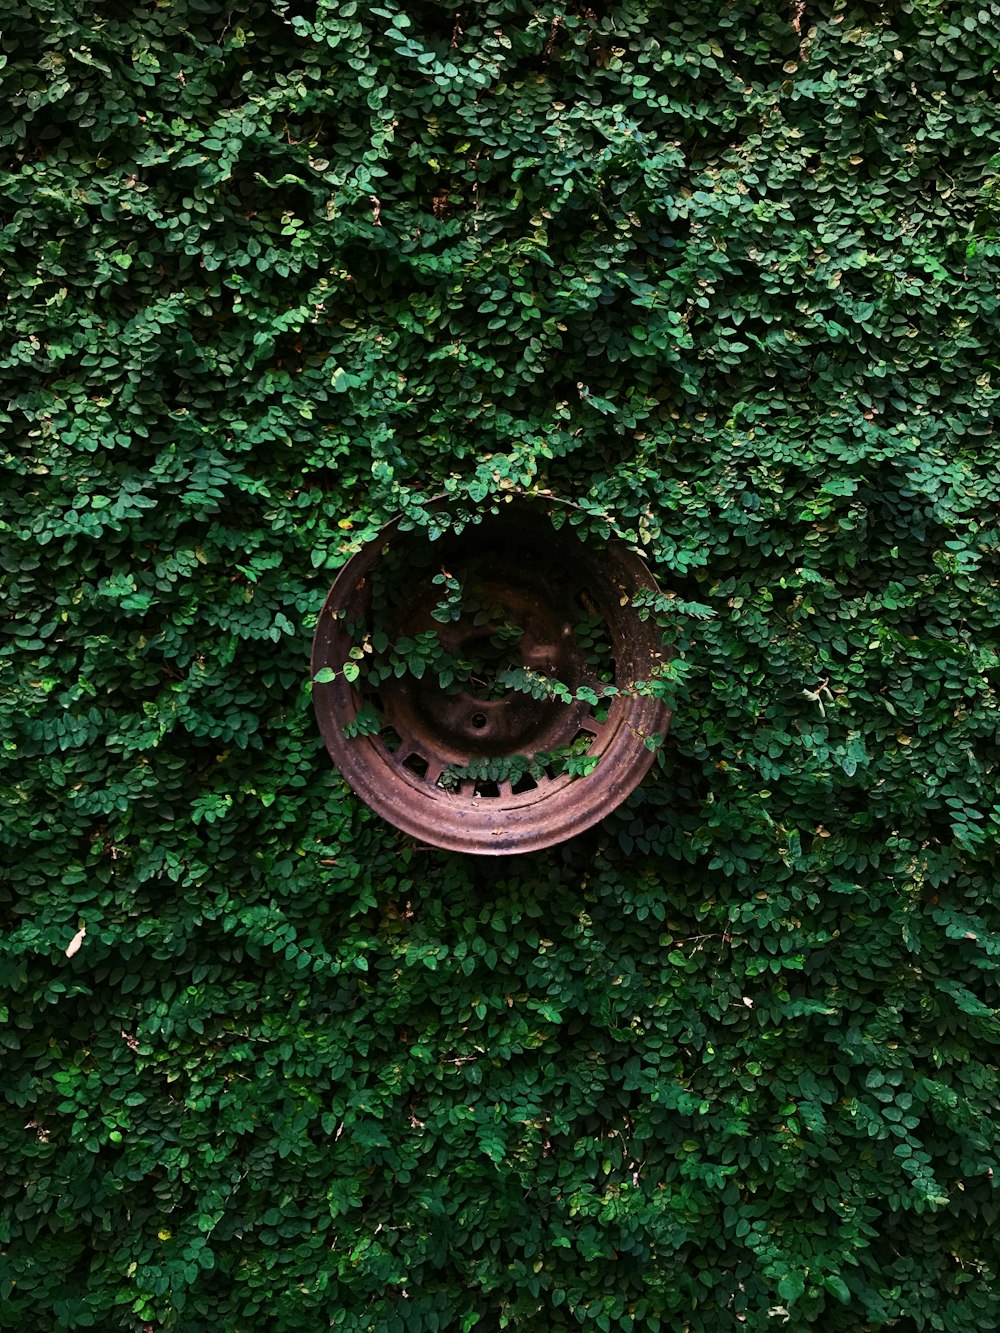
(515, 725)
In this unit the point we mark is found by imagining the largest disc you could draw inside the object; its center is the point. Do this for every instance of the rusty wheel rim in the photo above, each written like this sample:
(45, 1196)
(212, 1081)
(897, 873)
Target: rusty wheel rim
(566, 599)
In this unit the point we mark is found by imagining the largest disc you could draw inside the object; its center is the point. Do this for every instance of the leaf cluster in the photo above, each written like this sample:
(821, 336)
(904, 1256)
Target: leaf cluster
(725, 276)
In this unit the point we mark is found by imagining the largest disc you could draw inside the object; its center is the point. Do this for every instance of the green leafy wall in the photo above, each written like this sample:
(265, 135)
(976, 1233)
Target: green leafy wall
(725, 273)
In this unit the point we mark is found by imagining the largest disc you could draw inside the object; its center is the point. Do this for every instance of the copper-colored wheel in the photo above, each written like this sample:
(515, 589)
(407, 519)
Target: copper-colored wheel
(566, 609)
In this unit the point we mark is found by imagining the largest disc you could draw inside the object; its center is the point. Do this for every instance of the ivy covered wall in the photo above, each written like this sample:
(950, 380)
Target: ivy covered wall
(723, 273)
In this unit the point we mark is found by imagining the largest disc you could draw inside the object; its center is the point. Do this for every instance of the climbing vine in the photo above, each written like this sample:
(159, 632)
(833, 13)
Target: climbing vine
(725, 277)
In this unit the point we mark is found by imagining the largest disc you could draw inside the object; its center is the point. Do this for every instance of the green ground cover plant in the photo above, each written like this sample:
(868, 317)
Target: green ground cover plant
(725, 276)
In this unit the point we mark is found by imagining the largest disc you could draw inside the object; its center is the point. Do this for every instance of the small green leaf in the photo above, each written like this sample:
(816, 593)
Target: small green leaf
(838, 1287)
(791, 1287)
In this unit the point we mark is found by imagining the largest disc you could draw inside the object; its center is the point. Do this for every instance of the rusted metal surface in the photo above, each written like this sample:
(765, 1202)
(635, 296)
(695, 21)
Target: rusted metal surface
(546, 582)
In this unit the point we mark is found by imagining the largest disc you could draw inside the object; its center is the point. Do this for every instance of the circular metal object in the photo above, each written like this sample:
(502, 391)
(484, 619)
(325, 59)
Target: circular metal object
(455, 755)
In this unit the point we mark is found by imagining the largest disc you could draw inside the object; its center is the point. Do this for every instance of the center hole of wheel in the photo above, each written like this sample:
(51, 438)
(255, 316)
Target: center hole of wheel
(479, 721)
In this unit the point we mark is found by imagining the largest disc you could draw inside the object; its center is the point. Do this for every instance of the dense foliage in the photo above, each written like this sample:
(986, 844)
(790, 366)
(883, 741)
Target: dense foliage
(723, 273)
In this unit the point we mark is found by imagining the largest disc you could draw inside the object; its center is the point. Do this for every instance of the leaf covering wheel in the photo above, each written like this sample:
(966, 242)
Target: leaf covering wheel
(492, 691)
